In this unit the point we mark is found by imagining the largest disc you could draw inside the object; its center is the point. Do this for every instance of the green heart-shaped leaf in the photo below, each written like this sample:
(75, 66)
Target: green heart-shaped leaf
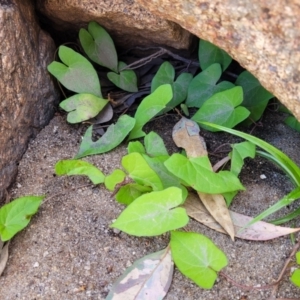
(153, 214)
(197, 257)
(197, 173)
(99, 46)
(140, 171)
(150, 107)
(82, 107)
(126, 80)
(135, 146)
(210, 54)
(76, 73)
(204, 85)
(154, 145)
(113, 136)
(166, 75)
(117, 176)
(256, 97)
(79, 167)
(167, 178)
(16, 215)
(223, 109)
(129, 192)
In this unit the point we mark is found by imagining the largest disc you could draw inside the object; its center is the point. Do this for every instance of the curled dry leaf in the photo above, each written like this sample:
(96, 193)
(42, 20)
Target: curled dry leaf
(3, 255)
(148, 278)
(186, 135)
(260, 231)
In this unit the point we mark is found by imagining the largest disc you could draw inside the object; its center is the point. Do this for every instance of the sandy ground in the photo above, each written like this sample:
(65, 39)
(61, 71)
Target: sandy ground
(69, 251)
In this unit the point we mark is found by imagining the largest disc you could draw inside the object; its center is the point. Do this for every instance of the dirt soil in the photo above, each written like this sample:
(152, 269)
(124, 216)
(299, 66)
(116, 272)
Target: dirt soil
(69, 251)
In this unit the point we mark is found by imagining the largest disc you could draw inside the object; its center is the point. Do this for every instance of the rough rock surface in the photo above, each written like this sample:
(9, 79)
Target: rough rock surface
(128, 23)
(26, 89)
(262, 35)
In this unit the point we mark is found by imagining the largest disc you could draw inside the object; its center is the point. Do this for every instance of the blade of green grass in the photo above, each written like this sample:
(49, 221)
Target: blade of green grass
(276, 155)
(294, 214)
(286, 200)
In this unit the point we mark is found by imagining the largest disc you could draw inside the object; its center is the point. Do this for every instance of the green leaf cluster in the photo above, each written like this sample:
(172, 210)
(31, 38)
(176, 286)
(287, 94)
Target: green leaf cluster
(166, 75)
(78, 75)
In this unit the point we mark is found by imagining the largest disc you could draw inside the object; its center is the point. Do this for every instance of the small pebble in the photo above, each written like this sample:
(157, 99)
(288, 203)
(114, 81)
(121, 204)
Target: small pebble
(36, 264)
(263, 176)
(19, 185)
(116, 230)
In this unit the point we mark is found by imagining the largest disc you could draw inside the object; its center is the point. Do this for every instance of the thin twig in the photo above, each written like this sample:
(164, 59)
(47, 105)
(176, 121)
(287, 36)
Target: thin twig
(273, 285)
(246, 287)
(67, 190)
(220, 163)
(139, 63)
(221, 146)
(276, 287)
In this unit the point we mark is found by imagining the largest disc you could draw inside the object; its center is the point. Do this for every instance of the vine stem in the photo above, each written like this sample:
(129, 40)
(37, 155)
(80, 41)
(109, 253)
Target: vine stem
(274, 285)
(246, 287)
(161, 51)
(65, 191)
(220, 163)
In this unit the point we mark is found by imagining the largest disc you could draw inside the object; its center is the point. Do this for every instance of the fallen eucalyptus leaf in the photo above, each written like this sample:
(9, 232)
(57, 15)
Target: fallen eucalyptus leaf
(260, 231)
(186, 135)
(3, 255)
(148, 278)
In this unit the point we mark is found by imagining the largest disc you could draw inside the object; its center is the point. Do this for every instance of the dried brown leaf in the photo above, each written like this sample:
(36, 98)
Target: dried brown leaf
(186, 135)
(3, 255)
(148, 278)
(260, 231)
